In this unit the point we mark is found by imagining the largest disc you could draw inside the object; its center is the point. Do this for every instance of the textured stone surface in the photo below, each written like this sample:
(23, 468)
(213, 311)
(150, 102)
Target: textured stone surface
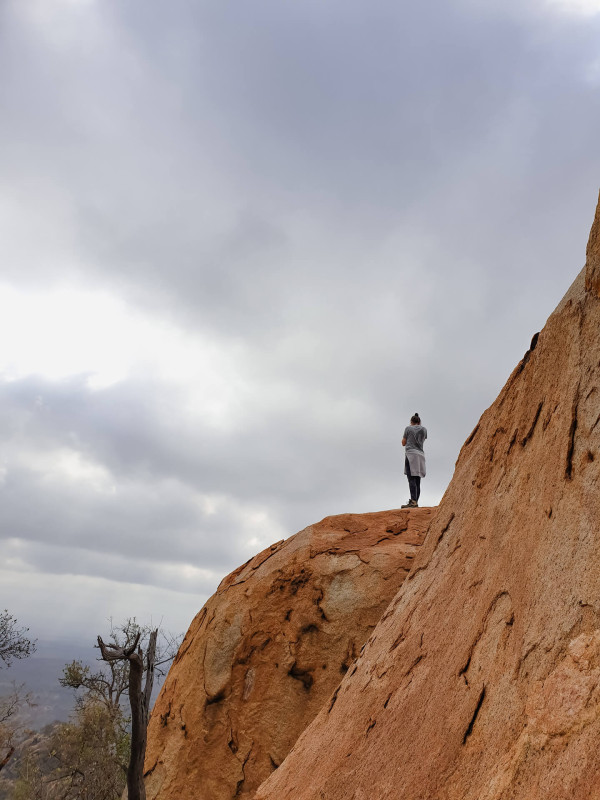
(592, 265)
(269, 648)
(482, 680)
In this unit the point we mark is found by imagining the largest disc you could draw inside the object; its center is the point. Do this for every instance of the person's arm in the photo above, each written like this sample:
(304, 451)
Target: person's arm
(403, 442)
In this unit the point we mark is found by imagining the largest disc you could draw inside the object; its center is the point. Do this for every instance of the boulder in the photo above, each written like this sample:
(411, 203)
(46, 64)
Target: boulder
(482, 680)
(269, 648)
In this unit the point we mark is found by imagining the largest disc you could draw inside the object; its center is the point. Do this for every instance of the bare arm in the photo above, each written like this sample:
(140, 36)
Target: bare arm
(403, 442)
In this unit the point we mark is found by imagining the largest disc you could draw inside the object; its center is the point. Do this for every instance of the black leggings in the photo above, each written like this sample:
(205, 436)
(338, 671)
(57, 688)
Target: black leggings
(414, 482)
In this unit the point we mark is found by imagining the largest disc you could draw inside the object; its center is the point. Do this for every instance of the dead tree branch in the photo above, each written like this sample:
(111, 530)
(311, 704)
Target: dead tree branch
(139, 701)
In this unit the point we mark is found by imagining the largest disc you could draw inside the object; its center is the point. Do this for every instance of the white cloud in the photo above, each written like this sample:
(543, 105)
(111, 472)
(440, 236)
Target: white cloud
(66, 465)
(593, 72)
(67, 332)
(63, 333)
(577, 8)
(73, 607)
(63, 24)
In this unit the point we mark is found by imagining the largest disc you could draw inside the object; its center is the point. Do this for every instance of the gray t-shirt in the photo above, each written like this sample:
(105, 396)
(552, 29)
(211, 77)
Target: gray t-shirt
(415, 435)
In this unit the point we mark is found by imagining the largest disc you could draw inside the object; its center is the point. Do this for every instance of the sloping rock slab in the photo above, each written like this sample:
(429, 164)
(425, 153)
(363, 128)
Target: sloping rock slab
(482, 681)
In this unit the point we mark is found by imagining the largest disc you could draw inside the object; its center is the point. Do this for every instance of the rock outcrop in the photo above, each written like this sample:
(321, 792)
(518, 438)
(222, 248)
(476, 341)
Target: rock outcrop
(269, 648)
(482, 680)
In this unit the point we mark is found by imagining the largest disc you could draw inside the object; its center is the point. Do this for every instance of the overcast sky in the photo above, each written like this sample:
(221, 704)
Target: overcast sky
(242, 241)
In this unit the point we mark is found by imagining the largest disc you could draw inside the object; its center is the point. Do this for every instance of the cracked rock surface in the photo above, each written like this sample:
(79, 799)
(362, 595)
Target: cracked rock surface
(482, 680)
(269, 649)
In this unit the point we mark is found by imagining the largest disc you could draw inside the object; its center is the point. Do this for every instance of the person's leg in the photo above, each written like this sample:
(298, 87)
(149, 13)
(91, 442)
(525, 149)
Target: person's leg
(417, 481)
(411, 482)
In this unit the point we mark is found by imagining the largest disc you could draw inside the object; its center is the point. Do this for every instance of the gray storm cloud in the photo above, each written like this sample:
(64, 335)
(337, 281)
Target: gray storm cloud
(373, 206)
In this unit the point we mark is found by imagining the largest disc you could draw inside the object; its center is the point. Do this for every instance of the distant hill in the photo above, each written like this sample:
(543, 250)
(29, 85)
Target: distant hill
(40, 674)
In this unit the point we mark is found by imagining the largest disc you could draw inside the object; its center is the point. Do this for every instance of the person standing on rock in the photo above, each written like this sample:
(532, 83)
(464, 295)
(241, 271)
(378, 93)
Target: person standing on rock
(414, 460)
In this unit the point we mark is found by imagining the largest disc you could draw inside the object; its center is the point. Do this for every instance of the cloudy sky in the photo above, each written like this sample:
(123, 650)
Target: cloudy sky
(242, 241)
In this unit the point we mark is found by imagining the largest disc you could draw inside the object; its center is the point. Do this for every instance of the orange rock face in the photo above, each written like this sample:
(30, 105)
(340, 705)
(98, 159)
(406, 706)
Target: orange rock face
(592, 266)
(482, 680)
(269, 648)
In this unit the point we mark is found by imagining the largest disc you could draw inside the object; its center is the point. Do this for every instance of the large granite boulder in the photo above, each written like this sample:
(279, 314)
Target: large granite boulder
(269, 648)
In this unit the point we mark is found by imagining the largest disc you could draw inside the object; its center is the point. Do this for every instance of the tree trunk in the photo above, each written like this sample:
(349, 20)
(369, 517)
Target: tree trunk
(135, 773)
(140, 708)
(140, 704)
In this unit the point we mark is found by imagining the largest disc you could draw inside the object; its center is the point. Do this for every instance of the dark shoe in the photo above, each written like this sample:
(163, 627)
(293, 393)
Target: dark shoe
(410, 504)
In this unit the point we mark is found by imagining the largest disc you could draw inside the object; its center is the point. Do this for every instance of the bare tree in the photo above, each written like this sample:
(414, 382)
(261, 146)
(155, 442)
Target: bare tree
(139, 700)
(10, 705)
(14, 642)
(131, 652)
(109, 683)
(106, 687)
(93, 755)
(92, 749)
